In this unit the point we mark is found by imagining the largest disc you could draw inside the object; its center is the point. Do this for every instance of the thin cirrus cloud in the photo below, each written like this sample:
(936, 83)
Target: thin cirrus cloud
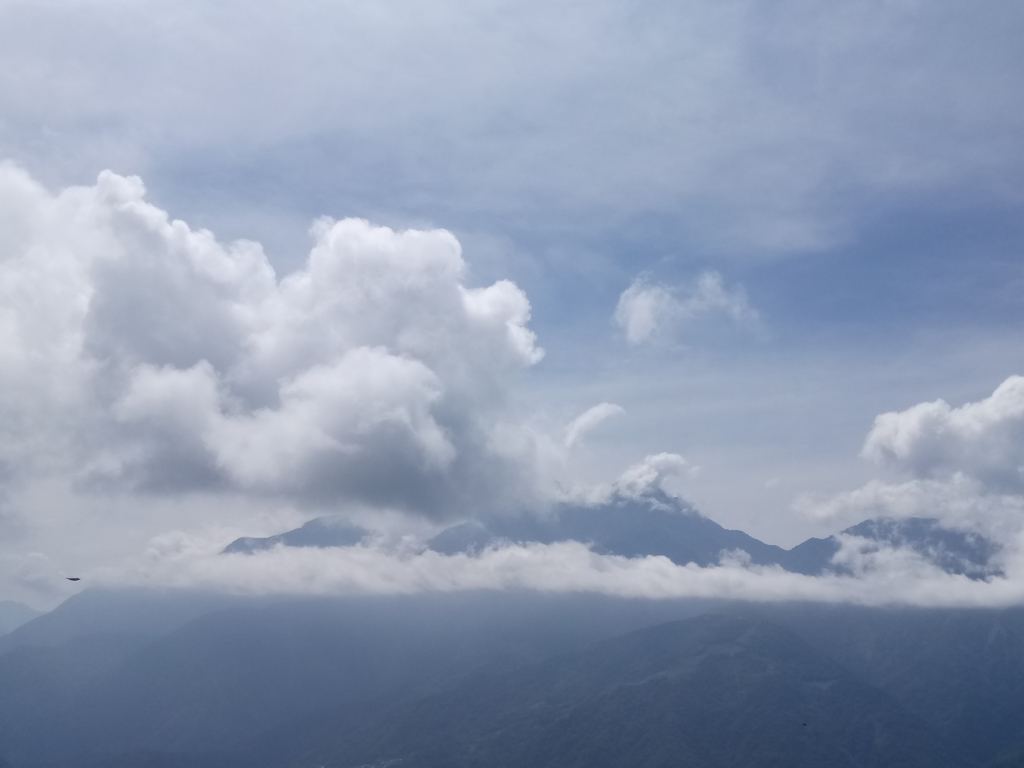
(648, 311)
(767, 125)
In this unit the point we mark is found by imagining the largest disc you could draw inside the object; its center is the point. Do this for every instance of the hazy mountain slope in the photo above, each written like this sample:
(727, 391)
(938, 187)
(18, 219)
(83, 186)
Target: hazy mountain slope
(711, 691)
(41, 685)
(472, 674)
(14, 615)
(133, 612)
(220, 682)
(962, 671)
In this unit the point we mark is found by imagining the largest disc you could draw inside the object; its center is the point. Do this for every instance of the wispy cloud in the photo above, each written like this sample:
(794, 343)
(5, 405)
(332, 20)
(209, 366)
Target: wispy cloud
(648, 311)
(589, 420)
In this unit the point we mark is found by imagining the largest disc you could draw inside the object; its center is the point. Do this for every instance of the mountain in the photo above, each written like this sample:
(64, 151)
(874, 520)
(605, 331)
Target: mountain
(143, 612)
(659, 524)
(710, 691)
(318, 532)
(951, 550)
(97, 683)
(506, 679)
(961, 671)
(653, 524)
(13, 615)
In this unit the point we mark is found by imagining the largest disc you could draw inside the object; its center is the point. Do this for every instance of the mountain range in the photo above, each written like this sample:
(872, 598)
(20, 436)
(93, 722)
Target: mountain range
(181, 679)
(658, 524)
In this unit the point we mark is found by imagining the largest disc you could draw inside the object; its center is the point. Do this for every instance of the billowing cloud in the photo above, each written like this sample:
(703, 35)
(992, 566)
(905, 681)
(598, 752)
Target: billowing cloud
(647, 311)
(963, 465)
(142, 356)
(983, 440)
(651, 473)
(646, 478)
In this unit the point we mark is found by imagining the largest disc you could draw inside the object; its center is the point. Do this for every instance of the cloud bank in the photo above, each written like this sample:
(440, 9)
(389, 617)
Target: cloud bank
(881, 576)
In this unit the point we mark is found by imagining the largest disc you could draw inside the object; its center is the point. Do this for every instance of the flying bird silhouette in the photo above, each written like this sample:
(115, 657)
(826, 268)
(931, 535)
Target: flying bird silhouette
(72, 578)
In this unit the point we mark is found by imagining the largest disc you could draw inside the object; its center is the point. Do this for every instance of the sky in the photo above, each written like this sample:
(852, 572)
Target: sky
(414, 263)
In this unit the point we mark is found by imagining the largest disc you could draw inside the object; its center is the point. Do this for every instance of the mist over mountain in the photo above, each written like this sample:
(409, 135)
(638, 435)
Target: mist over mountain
(13, 615)
(656, 523)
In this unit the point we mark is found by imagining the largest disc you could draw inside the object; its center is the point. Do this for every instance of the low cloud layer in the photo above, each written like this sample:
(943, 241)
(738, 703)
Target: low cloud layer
(881, 575)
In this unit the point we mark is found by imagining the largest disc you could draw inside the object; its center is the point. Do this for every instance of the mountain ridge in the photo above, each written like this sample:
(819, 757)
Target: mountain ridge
(658, 524)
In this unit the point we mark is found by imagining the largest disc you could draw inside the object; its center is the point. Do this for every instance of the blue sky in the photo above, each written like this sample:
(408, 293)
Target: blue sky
(852, 172)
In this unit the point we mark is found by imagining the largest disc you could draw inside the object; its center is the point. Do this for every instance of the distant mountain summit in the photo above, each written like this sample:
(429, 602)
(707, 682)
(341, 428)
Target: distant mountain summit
(951, 550)
(318, 532)
(652, 524)
(656, 523)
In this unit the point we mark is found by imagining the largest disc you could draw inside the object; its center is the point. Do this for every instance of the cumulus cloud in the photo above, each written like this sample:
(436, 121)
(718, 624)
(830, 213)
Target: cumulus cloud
(983, 440)
(963, 465)
(647, 311)
(650, 474)
(138, 355)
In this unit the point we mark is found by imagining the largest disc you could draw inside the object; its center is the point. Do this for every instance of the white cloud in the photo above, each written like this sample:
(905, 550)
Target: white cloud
(963, 466)
(589, 420)
(647, 311)
(982, 440)
(651, 473)
(883, 576)
(757, 125)
(143, 356)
